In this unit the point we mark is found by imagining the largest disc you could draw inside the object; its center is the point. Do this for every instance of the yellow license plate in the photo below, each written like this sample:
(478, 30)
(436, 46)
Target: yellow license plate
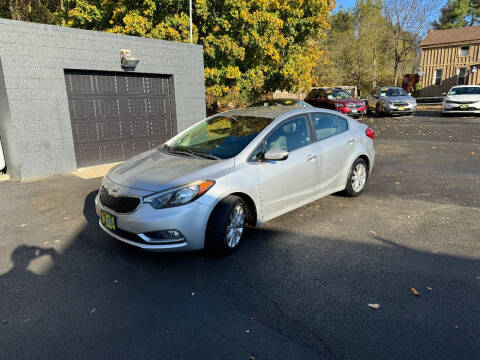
(401, 108)
(108, 220)
(463, 106)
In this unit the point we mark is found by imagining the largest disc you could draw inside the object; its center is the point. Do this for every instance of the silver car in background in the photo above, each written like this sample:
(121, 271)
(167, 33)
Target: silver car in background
(391, 101)
(202, 187)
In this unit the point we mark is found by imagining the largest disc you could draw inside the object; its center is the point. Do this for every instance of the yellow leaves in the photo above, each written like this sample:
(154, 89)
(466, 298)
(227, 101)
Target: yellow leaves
(233, 72)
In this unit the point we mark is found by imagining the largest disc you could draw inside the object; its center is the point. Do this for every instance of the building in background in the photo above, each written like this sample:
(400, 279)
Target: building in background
(449, 57)
(67, 100)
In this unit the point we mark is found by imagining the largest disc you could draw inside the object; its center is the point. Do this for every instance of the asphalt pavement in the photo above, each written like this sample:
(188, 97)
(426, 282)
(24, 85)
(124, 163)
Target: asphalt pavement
(299, 286)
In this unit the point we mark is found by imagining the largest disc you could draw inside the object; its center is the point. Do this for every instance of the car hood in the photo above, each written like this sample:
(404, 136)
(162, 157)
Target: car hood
(400, 98)
(156, 170)
(472, 98)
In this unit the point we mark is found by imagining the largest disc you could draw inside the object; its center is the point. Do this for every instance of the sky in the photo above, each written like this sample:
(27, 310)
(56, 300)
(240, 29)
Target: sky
(347, 4)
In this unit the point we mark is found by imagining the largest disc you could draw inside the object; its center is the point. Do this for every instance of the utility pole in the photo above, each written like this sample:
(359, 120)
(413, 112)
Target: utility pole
(374, 68)
(191, 31)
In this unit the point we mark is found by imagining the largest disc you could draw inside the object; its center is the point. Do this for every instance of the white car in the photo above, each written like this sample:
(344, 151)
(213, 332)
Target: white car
(236, 168)
(462, 99)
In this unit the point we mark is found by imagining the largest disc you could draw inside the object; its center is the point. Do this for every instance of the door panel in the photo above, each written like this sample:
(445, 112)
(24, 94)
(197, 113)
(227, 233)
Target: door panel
(286, 184)
(334, 147)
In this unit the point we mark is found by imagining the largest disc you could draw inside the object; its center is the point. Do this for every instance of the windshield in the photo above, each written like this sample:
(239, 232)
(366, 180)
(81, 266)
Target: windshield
(386, 92)
(467, 90)
(338, 94)
(220, 137)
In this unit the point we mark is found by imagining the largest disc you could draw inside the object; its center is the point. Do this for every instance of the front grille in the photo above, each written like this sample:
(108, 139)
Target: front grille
(121, 204)
(460, 102)
(400, 104)
(354, 106)
(458, 108)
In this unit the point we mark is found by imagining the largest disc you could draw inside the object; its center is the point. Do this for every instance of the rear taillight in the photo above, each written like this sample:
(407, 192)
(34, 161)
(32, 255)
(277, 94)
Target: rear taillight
(370, 133)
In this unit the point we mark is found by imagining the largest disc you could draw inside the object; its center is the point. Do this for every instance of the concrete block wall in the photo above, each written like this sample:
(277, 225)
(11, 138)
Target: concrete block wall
(34, 117)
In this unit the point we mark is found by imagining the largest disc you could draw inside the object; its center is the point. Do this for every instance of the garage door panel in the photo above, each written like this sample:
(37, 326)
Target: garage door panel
(88, 154)
(111, 131)
(108, 107)
(118, 115)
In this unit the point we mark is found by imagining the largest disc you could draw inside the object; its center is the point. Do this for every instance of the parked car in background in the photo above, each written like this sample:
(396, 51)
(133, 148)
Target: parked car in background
(462, 99)
(390, 101)
(246, 166)
(280, 102)
(336, 99)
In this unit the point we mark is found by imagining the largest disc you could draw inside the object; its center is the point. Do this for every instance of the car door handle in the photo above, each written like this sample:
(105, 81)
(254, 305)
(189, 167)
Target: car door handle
(351, 141)
(311, 157)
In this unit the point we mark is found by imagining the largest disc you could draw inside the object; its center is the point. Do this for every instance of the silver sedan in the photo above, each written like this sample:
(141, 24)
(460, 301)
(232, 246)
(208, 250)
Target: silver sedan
(241, 167)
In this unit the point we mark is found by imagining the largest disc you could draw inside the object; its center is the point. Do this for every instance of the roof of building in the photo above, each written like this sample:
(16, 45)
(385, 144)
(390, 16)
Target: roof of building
(439, 37)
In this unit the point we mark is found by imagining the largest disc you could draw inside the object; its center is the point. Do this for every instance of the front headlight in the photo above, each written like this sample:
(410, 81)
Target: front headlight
(179, 196)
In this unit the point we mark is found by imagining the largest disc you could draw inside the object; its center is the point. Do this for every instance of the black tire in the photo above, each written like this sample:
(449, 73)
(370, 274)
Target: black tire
(349, 188)
(444, 114)
(216, 233)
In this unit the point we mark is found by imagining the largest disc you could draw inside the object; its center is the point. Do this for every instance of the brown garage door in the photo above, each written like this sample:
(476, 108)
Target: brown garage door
(118, 115)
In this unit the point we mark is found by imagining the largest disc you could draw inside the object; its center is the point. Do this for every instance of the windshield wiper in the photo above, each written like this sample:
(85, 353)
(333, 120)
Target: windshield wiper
(176, 151)
(205, 155)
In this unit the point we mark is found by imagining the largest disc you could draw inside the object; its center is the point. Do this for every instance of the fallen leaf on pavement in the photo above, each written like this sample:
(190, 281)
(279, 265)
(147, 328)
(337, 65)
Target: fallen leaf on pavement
(434, 147)
(429, 288)
(93, 310)
(415, 292)
(374, 306)
(473, 152)
(397, 182)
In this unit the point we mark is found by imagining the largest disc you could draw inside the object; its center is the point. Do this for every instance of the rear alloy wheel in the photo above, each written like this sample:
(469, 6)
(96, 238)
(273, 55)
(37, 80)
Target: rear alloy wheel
(357, 179)
(226, 225)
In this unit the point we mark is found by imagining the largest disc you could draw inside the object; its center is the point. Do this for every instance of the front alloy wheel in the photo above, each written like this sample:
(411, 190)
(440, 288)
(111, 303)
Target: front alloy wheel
(235, 226)
(226, 225)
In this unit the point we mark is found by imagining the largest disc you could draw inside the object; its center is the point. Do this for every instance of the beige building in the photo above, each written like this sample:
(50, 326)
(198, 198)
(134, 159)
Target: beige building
(450, 57)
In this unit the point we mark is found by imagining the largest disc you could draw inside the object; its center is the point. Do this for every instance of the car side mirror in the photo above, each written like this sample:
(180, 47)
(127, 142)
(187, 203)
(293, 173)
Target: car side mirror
(276, 155)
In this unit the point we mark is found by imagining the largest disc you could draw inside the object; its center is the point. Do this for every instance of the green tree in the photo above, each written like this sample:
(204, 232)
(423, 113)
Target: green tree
(356, 36)
(458, 13)
(251, 46)
(41, 11)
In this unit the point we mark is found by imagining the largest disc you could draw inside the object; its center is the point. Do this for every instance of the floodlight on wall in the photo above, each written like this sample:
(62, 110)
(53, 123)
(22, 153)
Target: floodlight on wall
(128, 60)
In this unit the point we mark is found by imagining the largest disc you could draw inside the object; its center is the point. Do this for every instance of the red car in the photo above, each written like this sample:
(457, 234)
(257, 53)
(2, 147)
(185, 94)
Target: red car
(336, 99)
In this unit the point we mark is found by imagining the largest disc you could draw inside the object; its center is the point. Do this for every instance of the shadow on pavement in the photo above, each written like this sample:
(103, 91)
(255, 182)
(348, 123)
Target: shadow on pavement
(282, 295)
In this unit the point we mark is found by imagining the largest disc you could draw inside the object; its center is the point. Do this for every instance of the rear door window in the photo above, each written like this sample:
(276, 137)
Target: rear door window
(327, 125)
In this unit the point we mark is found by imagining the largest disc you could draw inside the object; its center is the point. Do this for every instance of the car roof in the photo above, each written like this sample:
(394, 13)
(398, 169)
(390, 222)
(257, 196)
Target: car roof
(390, 87)
(465, 86)
(270, 112)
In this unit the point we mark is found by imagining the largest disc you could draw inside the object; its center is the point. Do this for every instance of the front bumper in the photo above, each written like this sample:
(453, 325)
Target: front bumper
(353, 112)
(400, 109)
(190, 220)
(457, 109)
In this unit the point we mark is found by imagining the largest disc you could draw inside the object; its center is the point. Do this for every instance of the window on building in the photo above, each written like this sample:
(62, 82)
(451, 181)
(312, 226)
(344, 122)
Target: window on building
(464, 50)
(438, 77)
(462, 76)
